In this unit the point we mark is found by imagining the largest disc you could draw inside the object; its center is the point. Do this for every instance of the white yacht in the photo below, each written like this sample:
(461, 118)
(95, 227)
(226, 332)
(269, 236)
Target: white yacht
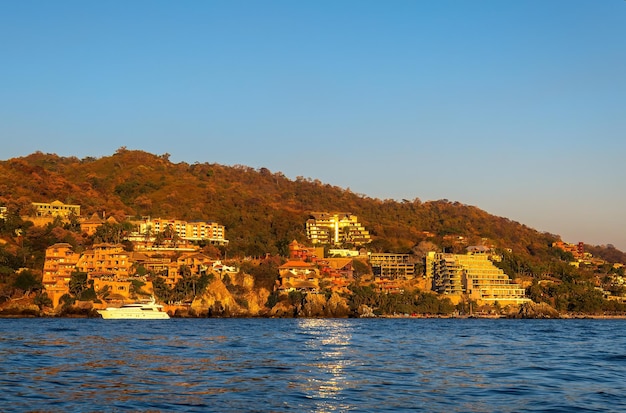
(140, 310)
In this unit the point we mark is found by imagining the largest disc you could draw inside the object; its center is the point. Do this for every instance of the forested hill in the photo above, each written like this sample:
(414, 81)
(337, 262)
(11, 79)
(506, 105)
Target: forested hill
(261, 210)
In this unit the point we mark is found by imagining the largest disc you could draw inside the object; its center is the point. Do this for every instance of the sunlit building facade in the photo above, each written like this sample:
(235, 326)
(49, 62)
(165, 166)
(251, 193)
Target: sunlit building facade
(472, 274)
(336, 229)
(59, 264)
(55, 209)
(212, 232)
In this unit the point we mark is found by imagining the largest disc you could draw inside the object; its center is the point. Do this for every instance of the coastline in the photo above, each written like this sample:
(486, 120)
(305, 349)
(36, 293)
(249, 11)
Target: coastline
(564, 316)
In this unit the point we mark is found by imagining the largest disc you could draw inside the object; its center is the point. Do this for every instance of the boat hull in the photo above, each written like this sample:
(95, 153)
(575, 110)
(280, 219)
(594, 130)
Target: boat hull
(136, 311)
(112, 314)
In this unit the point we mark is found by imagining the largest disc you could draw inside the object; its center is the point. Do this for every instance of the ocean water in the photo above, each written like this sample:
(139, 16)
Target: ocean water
(312, 365)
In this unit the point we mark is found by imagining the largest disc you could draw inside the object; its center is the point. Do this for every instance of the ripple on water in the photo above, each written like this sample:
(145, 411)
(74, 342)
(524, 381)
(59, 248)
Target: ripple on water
(313, 365)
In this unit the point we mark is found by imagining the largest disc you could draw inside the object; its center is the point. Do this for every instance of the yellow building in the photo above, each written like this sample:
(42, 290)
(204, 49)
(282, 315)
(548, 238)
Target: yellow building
(336, 229)
(90, 225)
(115, 290)
(157, 264)
(55, 209)
(197, 263)
(106, 260)
(212, 232)
(299, 275)
(472, 274)
(60, 262)
(112, 290)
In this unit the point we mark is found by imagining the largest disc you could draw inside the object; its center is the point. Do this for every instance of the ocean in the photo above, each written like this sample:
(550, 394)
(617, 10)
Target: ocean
(312, 365)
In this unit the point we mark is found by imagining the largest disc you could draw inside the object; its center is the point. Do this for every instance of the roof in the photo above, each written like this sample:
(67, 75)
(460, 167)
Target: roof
(338, 263)
(478, 248)
(61, 245)
(296, 264)
(139, 256)
(94, 219)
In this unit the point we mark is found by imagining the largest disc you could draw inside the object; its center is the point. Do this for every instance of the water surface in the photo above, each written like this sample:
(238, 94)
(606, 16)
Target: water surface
(312, 365)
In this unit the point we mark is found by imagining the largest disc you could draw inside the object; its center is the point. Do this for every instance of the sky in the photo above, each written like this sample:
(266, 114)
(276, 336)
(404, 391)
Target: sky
(515, 107)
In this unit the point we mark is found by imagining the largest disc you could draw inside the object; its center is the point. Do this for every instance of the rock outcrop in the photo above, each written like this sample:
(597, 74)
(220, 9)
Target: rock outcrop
(536, 310)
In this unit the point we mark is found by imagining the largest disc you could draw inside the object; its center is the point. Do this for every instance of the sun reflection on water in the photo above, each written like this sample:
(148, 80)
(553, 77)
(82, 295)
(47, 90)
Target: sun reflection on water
(329, 348)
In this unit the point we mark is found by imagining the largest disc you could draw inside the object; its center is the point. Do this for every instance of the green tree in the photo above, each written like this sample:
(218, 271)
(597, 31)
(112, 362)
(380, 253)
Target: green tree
(88, 294)
(136, 288)
(111, 232)
(359, 270)
(42, 300)
(78, 283)
(67, 300)
(27, 282)
(161, 290)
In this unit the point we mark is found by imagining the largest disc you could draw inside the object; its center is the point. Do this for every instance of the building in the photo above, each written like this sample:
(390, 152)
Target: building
(347, 253)
(297, 275)
(106, 260)
(336, 273)
(90, 225)
(112, 290)
(392, 266)
(156, 264)
(336, 229)
(211, 232)
(55, 209)
(298, 251)
(60, 262)
(196, 264)
(577, 250)
(472, 274)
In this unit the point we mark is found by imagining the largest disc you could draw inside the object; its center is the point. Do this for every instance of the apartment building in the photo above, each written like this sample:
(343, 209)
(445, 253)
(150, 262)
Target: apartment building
(392, 266)
(472, 274)
(59, 264)
(212, 232)
(336, 229)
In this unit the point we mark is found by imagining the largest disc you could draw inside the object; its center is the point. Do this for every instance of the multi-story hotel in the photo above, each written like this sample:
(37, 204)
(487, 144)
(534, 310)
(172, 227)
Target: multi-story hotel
(59, 264)
(336, 229)
(191, 231)
(472, 274)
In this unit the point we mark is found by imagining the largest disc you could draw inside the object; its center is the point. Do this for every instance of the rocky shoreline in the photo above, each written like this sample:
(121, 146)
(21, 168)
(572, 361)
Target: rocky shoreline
(219, 303)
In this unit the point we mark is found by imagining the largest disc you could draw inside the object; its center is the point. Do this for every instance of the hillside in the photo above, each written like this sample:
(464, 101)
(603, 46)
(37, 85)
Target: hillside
(261, 210)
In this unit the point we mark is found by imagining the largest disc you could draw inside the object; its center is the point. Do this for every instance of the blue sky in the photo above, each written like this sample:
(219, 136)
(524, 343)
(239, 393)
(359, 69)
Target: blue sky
(516, 107)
